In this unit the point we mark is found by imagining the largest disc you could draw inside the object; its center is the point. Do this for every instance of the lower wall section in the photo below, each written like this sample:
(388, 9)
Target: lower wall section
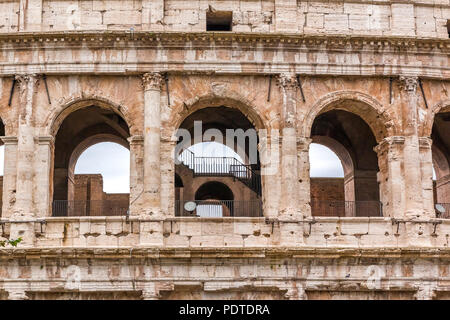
(145, 273)
(360, 295)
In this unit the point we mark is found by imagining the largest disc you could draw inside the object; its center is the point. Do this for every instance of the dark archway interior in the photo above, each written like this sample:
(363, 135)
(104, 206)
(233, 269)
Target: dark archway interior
(361, 190)
(76, 129)
(352, 132)
(222, 118)
(178, 181)
(441, 157)
(214, 191)
(2, 130)
(2, 133)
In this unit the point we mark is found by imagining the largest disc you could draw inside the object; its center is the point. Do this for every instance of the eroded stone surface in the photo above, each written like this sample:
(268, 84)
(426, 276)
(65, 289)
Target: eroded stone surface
(371, 60)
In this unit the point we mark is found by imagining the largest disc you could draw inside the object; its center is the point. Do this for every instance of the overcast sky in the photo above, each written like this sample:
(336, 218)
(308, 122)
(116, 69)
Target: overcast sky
(111, 160)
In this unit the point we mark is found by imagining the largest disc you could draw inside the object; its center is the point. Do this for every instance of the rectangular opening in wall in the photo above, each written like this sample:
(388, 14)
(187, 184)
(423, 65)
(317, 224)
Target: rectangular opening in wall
(219, 20)
(448, 28)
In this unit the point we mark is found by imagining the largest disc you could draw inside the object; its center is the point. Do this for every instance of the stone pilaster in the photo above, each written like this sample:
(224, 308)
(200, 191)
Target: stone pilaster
(152, 83)
(9, 176)
(27, 84)
(17, 295)
(269, 153)
(136, 174)
(296, 291)
(289, 206)
(167, 176)
(304, 175)
(45, 147)
(150, 292)
(426, 171)
(390, 176)
(426, 292)
(411, 153)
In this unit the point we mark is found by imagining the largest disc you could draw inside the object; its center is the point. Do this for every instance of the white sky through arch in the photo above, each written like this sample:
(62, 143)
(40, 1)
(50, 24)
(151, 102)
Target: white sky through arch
(112, 161)
(324, 163)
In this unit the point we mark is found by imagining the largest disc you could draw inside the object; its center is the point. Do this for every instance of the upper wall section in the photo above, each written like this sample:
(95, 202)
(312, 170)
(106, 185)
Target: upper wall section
(421, 18)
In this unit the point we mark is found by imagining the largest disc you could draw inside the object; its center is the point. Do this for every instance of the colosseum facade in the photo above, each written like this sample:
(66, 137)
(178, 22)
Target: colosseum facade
(369, 79)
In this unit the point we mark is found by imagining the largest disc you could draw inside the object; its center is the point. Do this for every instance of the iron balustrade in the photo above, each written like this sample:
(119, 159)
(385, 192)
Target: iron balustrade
(446, 213)
(221, 166)
(340, 208)
(220, 208)
(62, 208)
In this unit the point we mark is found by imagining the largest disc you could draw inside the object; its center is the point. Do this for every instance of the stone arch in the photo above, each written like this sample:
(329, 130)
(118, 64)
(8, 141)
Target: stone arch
(341, 152)
(248, 111)
(216, 194)
(79, 125)
(440, 162)
(178, 181)
(346, 117)
(360, 104)
(442, 106)
(214, 190)
(85, 144)
(64, 109)
(92, 140)
(232, 100)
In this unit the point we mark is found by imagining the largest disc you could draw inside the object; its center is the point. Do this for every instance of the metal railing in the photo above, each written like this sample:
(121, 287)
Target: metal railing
(221, 166)
(62, 208)
(442, 210)
(336, 208)
(220, 208)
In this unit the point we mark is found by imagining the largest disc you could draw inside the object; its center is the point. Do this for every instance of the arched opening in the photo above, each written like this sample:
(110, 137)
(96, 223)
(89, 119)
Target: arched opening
(441, 163)
(220, 144)
(214, 199)
(84, 132)
(327, 181)
(356, 191)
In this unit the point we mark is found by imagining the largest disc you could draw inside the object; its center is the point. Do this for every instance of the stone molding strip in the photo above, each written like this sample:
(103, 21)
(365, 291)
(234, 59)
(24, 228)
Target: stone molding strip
(225, 253)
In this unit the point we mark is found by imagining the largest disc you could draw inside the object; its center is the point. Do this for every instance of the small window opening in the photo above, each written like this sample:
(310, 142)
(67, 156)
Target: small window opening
(448, 28)
(219, 20)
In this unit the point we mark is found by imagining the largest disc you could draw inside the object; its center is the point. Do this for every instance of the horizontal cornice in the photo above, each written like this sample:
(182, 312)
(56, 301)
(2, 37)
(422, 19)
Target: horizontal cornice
(225, 253)
(146, 38)
(121, 52)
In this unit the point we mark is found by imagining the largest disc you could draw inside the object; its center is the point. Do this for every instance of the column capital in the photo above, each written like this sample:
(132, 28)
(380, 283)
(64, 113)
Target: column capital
(24, 79)
(45, 140)
(303, 142)
(136, 139)
(425, 142)
(389, 142)
(409, 83)
(287, 80)
(17, 295)
(152, 81)
(9, 140)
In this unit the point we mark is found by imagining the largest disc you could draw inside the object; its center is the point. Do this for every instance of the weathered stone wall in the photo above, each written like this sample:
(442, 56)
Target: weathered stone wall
(384, 62)
(327, 189)
(415, 18)
(225, 274)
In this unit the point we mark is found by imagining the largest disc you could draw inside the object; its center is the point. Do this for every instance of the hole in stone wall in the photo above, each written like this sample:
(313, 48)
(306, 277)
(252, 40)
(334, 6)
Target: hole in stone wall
(219, 20)
(448, 28)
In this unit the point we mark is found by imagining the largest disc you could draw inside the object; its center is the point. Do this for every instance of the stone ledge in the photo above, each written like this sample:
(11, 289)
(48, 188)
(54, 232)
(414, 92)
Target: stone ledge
(102, 38)
(225, 253)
